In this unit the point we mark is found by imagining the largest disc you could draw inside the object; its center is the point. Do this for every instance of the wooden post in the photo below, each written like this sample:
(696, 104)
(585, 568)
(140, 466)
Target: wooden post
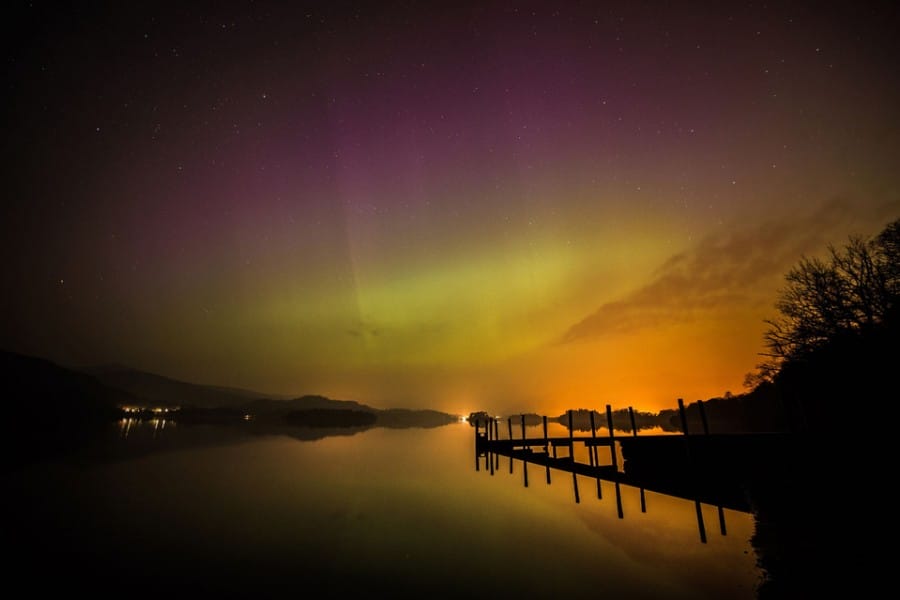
(491, 436)
(554, 450)
(594, 437)
(619, 502)
(684, 426)
(496, 424)
(703, 417)
(476, 446)
(612, 437)
(575, 485)
(700, 524)
(634, 434)
(571, 441)
(546, 447)
(615, 458)
(705, 423)
(681, 411)
(592, 453)
(525, 449)
(488, 457)
(509, 425)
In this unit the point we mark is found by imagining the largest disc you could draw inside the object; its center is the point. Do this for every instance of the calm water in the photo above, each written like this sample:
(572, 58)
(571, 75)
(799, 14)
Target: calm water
(378, 512)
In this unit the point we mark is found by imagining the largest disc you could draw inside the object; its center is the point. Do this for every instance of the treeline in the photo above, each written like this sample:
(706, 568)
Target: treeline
(581, 419)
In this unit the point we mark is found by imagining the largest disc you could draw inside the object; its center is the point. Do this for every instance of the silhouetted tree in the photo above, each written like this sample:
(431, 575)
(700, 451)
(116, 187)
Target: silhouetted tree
(834, 341)
(853, 290)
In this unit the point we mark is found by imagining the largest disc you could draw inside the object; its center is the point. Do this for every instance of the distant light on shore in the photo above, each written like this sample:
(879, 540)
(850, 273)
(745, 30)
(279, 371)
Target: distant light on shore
(150, 409)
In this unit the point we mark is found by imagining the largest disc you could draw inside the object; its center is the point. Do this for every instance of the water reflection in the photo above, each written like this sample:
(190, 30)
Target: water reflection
(773, 479)
(611, 475)
(383, 512)
(154, 425)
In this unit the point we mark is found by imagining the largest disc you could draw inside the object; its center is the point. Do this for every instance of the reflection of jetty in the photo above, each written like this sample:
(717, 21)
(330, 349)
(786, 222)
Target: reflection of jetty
(705, 468)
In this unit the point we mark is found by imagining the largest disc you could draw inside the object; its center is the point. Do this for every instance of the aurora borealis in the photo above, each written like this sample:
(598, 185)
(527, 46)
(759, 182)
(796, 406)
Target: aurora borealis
(511, 206)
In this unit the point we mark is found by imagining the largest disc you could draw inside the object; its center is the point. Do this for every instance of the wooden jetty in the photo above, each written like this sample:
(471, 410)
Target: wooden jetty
(701, 467)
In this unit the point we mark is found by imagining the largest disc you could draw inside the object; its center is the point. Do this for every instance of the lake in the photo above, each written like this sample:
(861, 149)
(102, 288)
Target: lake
(163, 508)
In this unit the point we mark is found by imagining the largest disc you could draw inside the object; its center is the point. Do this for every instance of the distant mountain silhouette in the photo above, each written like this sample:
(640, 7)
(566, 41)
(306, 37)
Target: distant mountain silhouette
(219, 404)
(50, 410)
(159, 390)
(307, 402)
(35, 388)
(43, 387)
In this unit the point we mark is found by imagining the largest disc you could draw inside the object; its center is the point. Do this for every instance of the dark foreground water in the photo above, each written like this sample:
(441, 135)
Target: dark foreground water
(216, 511)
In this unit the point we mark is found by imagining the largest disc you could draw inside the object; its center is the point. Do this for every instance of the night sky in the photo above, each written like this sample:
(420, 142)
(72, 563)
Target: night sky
(506, 206)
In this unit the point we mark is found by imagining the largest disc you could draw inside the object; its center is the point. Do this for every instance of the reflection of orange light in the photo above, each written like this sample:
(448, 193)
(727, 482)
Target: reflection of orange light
(125, 426)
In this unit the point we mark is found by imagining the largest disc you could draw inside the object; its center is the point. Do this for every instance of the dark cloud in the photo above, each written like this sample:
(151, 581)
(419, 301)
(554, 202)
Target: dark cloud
(726, 269)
